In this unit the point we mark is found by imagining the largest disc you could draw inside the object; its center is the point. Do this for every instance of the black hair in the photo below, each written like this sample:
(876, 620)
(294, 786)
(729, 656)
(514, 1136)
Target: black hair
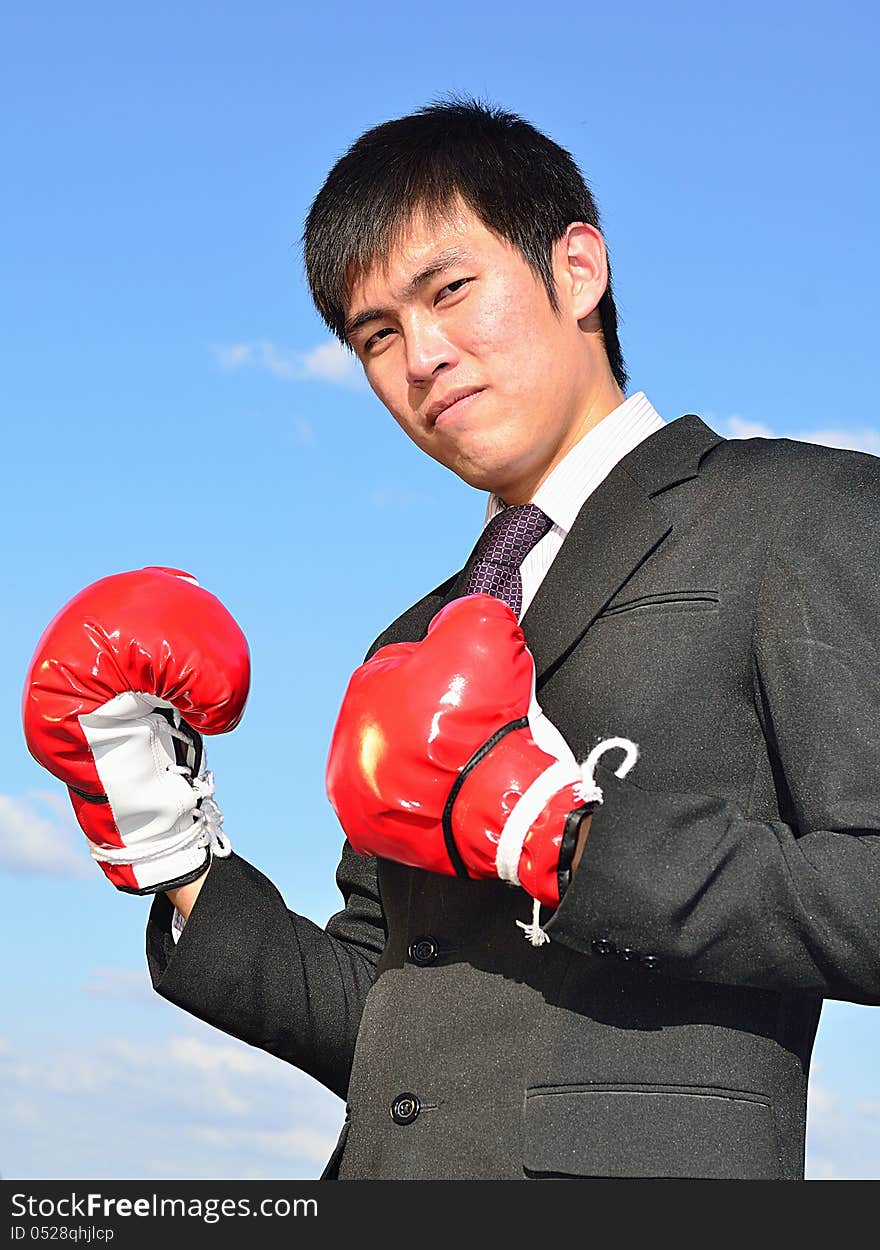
(520, 184)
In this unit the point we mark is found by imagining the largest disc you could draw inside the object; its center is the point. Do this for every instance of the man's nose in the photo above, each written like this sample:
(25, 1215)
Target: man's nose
(427, 351)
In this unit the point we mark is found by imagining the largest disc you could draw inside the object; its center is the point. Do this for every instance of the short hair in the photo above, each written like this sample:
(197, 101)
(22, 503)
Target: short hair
(520, 184)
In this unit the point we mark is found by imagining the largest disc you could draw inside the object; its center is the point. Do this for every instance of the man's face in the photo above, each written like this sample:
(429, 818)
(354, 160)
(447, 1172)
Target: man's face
(458, 340)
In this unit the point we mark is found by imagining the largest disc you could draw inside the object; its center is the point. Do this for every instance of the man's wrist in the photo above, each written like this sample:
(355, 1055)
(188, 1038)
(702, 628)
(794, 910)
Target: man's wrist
(571, 849)
(583, 834)
(183, 897)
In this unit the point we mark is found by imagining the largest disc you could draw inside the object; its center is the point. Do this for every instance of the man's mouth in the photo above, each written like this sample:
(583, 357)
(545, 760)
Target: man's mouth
(452, 403)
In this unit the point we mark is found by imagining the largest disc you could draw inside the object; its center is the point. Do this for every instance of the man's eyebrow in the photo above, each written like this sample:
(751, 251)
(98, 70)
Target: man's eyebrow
(447, 259)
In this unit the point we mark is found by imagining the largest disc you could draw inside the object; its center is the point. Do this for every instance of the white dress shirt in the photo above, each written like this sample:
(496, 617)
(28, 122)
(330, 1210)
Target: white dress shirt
(563, 495)
(574, 479)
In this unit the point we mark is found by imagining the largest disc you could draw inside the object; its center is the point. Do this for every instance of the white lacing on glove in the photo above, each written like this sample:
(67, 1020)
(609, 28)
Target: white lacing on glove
(158, 837)
(564, 772)
(205, 831)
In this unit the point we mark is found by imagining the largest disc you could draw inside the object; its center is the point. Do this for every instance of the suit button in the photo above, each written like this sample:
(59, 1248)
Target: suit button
(650, 962)
(423, 951)
(628, 953)
(602, 946)
(405, 1108)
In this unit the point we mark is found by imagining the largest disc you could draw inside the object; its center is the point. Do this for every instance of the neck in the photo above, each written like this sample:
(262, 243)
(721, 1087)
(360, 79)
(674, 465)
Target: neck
(596, 409)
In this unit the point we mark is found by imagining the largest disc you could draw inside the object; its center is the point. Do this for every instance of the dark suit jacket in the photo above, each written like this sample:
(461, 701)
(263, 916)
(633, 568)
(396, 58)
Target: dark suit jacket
(717, 602)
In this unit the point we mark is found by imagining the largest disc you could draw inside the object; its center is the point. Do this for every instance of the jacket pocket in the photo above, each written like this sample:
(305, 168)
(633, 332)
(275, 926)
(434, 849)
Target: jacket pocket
(667, 601)
(649, 1130)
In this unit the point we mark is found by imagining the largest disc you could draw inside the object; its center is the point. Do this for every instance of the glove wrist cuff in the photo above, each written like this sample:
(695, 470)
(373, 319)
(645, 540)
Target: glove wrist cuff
(165, 874)
(543, 828)
(547, 850)
(539, 816)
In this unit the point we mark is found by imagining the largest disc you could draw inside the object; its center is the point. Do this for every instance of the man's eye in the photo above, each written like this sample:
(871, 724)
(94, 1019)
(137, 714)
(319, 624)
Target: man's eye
(453, 286)
(375, 338)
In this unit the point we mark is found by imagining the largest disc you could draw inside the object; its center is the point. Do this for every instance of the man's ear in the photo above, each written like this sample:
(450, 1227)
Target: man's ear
(581, 268)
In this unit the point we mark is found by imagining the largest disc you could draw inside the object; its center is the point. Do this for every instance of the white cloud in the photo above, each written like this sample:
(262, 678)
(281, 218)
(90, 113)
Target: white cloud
(738, 428)
(281, 361)
(200, 1105)
(862, 439)
(233, 355)
(37, 835)
(120, 984)
(212, 1056)
(859, 438)
(328, 362)
(843, 1135)
(300, 1142)
(820, 1099)
(196, 1105)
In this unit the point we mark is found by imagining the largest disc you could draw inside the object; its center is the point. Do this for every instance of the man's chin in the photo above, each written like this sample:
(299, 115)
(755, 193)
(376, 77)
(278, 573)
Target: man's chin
(493, 478)
(484, 467)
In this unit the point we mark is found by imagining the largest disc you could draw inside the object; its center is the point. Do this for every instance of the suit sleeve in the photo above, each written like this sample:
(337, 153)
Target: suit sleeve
(268, 976)
(695, 887)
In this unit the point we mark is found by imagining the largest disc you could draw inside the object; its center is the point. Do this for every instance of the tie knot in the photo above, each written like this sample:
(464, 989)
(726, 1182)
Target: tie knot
(503, 545)
(510, 536)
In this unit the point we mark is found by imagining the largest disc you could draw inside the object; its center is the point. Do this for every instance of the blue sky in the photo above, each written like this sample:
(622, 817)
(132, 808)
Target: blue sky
(171, 397)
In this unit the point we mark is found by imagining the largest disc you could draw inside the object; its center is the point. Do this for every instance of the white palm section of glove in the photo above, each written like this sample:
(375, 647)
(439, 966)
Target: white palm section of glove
(154, 775)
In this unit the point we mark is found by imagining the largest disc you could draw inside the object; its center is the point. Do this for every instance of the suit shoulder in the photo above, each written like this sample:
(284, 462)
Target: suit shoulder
(790, 468)
(806, 498)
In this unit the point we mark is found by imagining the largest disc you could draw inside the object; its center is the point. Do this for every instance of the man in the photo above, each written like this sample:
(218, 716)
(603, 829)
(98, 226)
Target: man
(712, 604)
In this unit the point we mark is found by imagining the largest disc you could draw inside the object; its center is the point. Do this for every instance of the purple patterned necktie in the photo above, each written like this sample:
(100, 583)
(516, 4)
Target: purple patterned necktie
(503, 545)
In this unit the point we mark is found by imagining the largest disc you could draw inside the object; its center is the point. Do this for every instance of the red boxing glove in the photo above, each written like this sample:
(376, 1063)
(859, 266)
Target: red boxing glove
(433, 761)
(121, 681)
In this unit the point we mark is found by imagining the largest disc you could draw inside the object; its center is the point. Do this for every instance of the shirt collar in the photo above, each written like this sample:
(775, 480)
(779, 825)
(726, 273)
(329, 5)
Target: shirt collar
(562, 495)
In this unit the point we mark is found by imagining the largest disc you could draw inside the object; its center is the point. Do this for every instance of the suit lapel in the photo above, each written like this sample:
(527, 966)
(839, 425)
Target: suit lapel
(618, 527)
